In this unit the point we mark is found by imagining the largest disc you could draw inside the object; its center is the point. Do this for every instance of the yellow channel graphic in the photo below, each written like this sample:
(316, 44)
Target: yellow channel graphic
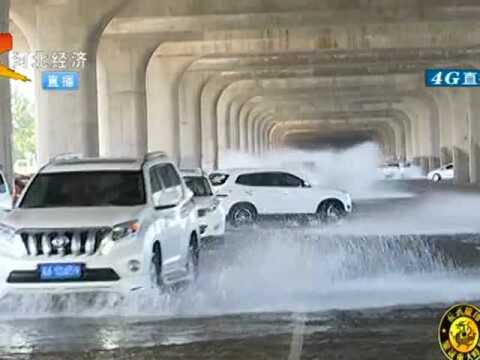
(12, 74)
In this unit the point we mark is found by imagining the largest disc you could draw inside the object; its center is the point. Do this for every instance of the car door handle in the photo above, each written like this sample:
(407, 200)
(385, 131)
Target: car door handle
(248, 192)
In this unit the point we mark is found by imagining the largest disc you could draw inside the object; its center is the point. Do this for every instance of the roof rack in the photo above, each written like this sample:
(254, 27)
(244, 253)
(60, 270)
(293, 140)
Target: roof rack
(155, 155)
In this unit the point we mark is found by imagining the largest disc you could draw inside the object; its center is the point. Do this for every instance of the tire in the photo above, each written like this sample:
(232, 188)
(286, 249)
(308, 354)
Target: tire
(436, 178)
(242, 214)
(331, 211)
(193, 258)
(156, 270)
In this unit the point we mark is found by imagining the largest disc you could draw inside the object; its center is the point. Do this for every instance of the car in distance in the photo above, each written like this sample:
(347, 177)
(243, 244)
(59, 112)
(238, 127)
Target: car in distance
(445, 172)
(247, 193)
(391, 170)
(210, 213)
(100, 224)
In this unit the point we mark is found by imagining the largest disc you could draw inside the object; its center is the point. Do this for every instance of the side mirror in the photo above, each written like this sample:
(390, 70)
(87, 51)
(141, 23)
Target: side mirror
(166, 199)
(307, 184)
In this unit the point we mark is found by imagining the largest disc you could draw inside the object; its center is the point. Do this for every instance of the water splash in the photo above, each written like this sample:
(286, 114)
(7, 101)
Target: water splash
(287, 270)
(355, 170)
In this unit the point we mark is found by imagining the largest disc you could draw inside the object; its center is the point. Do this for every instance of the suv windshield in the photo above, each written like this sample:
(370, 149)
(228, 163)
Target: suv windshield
(199, 185)
(81, 189)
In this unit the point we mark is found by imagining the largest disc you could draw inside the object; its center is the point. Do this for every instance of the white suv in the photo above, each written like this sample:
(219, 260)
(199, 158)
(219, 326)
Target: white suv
(246, 193)
(114, 225)
(210, 212)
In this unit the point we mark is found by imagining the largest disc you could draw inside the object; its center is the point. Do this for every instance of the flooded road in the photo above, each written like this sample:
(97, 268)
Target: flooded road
(390, 333)
(372, 287)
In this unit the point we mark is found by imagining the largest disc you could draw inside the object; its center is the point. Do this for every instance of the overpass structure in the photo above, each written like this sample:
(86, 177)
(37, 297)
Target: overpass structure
(199, 78)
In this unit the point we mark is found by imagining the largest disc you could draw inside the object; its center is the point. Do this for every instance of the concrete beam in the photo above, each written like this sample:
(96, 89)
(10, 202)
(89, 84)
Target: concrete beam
(461, 101)
(385, 135)
(321, 98)
(265, 74)
(396, 130)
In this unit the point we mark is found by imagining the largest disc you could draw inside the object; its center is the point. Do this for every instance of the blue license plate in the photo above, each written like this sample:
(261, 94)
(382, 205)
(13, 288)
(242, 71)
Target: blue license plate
(60, 271)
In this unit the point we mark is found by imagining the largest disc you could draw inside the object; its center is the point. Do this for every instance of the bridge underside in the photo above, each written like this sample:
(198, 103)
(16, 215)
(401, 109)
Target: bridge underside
(200, 79)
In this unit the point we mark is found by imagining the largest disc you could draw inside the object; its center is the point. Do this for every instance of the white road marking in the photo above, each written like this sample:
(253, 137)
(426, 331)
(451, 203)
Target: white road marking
(296, 345)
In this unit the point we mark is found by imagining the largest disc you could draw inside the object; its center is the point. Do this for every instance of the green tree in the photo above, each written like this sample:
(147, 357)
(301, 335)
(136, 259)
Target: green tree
(23, 120)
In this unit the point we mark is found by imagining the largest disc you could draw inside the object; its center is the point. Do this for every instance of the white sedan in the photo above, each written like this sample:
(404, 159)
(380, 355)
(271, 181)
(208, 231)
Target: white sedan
(210, 211)
(445, 172)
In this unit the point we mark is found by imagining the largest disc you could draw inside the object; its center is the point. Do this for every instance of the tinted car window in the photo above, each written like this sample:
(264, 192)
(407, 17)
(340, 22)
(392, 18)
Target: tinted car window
(199, 185)
(274, 179)
(289, 180)
(449, 167)
(257, 179)
(252, 180)
(218, 179)
(83, 189)
(3, 186)
(170, 176)
(155, 179)
(392, 165)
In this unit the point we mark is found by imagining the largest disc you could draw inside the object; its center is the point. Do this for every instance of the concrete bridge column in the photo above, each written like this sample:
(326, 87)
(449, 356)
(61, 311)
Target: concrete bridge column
(5, 111)
(461, 127)
(446, 118)
(233, 139)
(225, 110)
(422, 108)
(259, 131)
(123, 112)
(475, 137)
(190, 90)
(403, 118)
(253, 130)
(399, 134)
(211, 94)
(68, 119)
(163, 74)
(241, 125)
(388, 135)
(420, 136)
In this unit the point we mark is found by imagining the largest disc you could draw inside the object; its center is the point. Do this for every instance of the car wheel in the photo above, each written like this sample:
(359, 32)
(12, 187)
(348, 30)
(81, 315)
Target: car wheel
(331, 211)
(193, 258)
(436, 178)
(156, 266)
(242, 214)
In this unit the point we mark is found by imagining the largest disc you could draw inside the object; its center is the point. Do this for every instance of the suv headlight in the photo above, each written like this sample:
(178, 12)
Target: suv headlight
(125, 229)
(7, 233)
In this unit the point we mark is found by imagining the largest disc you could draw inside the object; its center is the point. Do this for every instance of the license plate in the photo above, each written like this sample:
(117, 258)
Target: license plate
(60, 271)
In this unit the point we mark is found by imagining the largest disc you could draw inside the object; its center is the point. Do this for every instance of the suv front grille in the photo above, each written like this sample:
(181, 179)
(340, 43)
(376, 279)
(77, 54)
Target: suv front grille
(61, 242)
